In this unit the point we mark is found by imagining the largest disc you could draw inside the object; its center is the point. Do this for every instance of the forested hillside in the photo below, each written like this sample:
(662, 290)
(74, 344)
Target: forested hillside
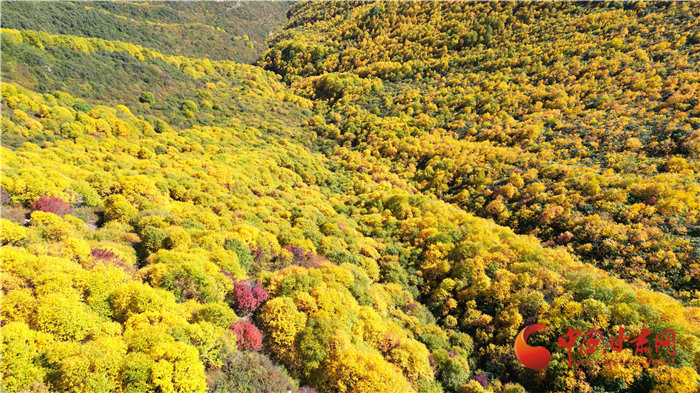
(380, 204)
(214, 30)
(575, 123)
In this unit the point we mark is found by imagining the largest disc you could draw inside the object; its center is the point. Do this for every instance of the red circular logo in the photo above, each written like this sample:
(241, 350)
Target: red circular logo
(535, 358)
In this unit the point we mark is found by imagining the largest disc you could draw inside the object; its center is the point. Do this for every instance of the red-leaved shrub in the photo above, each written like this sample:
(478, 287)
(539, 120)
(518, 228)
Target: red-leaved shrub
(260, 294)
(106, 257)
(51, 204)
(243, 297)
(298, 253)
(482, 379)
(249, 337)
(101, 254)
(247, 295)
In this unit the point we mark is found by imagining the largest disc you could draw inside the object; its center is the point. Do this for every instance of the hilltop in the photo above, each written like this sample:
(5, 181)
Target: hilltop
(379, 203)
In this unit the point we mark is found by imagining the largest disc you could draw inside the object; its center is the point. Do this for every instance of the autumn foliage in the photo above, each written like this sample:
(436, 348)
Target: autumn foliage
(380, 204)
(248, 296)
(52, 204)
(249, 338)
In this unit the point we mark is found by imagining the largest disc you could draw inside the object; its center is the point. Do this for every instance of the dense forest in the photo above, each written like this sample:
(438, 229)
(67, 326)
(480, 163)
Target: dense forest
(349, 196)
(214, 30)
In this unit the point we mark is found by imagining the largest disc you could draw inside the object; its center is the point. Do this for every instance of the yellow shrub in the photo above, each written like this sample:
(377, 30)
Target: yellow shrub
(52, 226)
(118, 208)
(679, 380)
(282, 322)
(12, 233)
(79, 251)
(177, 368)
(20, 355)
(363, 371)
(411, 357)
(65, 317)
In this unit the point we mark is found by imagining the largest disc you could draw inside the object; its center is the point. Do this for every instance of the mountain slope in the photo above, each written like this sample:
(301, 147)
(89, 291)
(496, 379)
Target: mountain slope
(577, 123)
(232, 232)
(213, 30)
